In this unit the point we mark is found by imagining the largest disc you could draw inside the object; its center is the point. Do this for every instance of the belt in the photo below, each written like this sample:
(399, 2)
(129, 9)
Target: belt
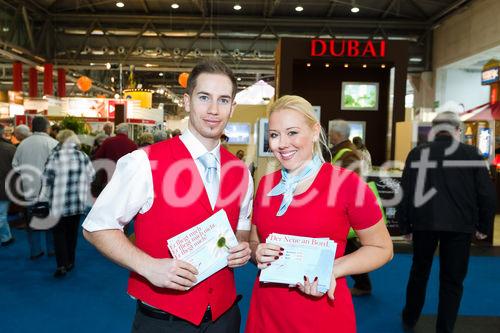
(159, 314)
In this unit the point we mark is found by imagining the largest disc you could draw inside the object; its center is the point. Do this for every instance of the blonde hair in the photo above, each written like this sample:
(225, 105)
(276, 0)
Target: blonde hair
(67, 136)
(305, 108)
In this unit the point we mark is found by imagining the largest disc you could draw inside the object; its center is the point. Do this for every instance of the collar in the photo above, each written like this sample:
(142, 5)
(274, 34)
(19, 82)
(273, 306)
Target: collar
(41, 133)
(195, 147)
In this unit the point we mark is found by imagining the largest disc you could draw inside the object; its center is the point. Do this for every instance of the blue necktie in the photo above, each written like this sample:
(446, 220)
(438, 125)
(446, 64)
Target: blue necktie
(209, 162)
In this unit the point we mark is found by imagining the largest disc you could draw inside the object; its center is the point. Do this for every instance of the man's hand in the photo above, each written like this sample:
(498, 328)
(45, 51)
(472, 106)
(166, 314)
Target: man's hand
(480, 235)
(171, 273)
(238, 255)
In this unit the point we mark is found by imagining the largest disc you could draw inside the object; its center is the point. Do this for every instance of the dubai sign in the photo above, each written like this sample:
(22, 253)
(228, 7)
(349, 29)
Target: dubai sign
(350, 48)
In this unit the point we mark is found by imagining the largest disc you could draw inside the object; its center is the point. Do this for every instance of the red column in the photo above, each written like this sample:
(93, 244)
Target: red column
(48, 84)
(17, 76)
(33, 82)
(61, 82)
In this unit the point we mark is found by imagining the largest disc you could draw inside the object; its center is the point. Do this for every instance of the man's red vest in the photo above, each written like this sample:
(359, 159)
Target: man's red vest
(180, 203)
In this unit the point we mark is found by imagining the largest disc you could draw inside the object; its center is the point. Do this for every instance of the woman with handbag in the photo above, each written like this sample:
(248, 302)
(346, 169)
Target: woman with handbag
(65, 186)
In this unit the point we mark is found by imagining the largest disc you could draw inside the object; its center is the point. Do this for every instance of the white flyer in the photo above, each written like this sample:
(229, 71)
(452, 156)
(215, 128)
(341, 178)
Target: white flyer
(206, 245)
(302, 256)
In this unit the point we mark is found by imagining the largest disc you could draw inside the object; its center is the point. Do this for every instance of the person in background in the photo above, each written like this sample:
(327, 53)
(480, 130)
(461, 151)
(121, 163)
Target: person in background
(7, 151)
(240, 154)
(108, 128)
(457, 199)
(281, 206)
(21, 132)
(176, 132)
(54, 130)
(145, 139)
(98, 140)
(111, 150)
(159, 136)
(65, 186)
(224, 140)
(29, 161)
(163, 286)
(366, 158)
(345, 154)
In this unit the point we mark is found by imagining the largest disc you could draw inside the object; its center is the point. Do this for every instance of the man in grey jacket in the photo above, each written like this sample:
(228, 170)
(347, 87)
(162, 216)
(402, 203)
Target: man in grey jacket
(29, 161)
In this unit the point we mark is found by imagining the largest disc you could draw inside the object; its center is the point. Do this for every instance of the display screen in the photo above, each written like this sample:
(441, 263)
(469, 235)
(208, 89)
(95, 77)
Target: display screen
(484, 142)
(357, 128)
(238, 133)
(359, 96)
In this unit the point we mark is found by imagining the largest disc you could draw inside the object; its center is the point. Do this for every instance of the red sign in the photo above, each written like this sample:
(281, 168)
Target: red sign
(350, 48)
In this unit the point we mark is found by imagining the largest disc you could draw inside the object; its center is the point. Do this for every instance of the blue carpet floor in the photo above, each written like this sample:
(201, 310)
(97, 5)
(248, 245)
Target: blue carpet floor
(92, 298)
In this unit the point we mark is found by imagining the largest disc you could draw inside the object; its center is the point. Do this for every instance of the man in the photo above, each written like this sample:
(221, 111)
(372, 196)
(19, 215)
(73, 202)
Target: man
(148, 183)
(108, 128)
(29, 161)
(113, 148)
(21, 132)
(345, 154)
(447, 195)
(7, 151)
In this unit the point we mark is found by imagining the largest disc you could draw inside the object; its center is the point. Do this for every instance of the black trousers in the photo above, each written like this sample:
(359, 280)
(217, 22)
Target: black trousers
(65, 236)
(361, 281)
(229, 322)
(454, 250)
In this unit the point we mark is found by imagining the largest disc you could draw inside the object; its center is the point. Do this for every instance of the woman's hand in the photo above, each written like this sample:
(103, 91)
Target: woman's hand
(266, 254)
(309, 288)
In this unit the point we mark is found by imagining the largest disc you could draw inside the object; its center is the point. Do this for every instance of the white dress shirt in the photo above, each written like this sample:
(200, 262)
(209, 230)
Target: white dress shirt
(132, 181)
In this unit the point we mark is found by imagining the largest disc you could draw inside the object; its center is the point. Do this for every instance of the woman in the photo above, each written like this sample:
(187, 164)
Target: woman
(66, 184)
(295, 138)
(366, 158)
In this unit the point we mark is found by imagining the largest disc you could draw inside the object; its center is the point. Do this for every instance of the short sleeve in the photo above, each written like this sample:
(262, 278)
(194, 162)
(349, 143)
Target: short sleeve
(363, 210)
(129, 192)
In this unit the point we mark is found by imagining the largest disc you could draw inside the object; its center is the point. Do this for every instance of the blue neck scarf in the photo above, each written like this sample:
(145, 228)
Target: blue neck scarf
(288, 183)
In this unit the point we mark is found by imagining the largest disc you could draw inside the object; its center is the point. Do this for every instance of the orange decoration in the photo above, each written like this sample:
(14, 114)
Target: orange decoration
(183, 79)
(84, 83)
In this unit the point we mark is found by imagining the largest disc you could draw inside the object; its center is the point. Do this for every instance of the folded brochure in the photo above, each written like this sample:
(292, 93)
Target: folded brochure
(206, 245)
(302, 256)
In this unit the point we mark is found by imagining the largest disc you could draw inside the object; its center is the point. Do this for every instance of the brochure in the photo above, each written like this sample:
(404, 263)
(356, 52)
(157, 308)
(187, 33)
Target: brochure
(206, 245)
(302, 256)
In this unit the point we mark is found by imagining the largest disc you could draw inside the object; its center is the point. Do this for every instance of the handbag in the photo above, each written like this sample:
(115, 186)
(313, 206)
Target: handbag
(40, 209)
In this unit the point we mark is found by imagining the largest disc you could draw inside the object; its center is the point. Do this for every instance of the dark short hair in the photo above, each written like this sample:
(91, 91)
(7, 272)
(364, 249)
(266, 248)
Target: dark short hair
(39, 124)
(210, 66)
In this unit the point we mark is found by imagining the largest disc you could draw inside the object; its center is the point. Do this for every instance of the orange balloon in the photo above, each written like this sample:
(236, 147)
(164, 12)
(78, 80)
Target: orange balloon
(183, 79)
(84, 83)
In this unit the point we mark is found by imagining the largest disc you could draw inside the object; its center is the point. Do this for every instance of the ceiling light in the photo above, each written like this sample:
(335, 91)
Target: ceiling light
(415, 59)
(174, 5)
(120, 4)
(346, 65)
(112, 79)
(117, 96)
(92, 64)
(238, 79)
(108, 65)
(299, 8)
(383, 66)
(308, 64)
(354, 8)
(160, 74)
(237, 7)
(327, 65)
(364, 66)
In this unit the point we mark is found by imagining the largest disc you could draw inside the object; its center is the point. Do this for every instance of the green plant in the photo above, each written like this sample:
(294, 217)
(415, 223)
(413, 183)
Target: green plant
(75, 124)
